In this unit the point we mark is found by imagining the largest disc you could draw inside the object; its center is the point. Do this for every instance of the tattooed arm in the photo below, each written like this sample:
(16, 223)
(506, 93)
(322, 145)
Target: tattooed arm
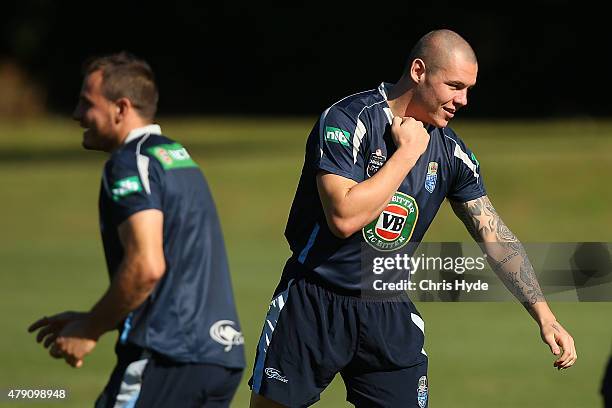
(505, 253)
(509, 260)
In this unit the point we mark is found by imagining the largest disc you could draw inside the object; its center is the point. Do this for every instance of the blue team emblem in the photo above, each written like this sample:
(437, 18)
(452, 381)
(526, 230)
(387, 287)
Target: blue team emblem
(431, 177)
(422, 392)
(377, 160)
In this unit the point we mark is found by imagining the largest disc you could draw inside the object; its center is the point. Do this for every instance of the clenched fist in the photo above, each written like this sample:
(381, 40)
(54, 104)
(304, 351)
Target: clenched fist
(409, 135)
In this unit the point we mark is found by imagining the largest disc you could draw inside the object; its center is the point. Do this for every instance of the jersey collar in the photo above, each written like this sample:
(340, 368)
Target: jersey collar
(141, 131)
(382, 89)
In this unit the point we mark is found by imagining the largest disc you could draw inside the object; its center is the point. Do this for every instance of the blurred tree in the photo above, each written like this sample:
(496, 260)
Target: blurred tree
(541, 58)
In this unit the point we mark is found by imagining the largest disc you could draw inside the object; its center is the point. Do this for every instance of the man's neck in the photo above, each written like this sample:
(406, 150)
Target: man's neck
(399, 97)
(129, 129)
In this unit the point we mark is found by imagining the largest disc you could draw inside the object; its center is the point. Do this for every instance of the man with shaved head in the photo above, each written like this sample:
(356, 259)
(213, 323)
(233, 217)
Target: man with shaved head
(378, 165)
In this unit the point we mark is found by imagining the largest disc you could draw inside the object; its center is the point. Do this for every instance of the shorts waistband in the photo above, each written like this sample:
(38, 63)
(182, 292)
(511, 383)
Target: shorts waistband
(297, 271)
(357, 294)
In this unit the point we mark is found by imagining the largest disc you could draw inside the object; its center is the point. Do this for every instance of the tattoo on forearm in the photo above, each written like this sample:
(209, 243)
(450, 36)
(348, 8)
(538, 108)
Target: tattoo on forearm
(509, 257)
(478, 216)
(506, 254)
(465, 217)
(503, 232)
(554, 326)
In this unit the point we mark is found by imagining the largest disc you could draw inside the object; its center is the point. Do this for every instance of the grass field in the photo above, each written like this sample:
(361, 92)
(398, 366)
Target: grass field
(548, 180)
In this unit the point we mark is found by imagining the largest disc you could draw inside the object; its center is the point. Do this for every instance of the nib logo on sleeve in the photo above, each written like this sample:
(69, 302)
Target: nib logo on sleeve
(336, 135)
(125, 187)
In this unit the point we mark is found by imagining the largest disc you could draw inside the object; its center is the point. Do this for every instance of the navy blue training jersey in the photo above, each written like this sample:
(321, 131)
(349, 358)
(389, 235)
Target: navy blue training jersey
(190, 316)
(353, 139)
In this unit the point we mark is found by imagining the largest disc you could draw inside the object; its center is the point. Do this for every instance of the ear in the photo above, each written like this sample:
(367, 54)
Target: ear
(417, 70)
(124, 107)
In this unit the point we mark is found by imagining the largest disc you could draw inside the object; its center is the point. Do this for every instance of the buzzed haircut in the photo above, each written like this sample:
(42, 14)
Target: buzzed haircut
(126, 76)
(436, 47)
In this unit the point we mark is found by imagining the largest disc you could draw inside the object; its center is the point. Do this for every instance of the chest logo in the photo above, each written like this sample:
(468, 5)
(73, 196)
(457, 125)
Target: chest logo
(376, 162)
(395, 225)
(431, 177)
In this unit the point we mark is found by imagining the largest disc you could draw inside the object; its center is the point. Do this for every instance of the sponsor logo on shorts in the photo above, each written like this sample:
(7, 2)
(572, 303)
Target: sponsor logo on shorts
(422, 392)
(125, 187)
(223, 332)
(395, 225)
(275, 374)
(172, 156)
(376, 162)
(431, 177)
(336, 135)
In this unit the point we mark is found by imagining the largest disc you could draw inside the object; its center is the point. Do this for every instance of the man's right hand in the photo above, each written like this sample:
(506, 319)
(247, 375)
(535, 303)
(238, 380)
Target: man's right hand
(51, 326)
(410, 136)
(348, 205)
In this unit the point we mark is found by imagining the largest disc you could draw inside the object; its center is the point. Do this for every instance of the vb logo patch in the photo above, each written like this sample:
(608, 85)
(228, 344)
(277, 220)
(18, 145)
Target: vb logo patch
(376, 162)
(422, 392)
(223, 332)
(395, 225)
(431, 177)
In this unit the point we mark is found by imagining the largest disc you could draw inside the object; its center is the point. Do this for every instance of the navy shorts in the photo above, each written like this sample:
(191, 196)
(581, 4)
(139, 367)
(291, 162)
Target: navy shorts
(143, 379)
(312, 332)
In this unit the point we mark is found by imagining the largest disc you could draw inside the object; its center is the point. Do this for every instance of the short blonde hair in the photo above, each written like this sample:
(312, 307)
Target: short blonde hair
(126, 76)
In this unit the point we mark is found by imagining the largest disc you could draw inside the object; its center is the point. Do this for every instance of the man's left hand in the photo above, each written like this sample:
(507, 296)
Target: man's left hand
(558, 339)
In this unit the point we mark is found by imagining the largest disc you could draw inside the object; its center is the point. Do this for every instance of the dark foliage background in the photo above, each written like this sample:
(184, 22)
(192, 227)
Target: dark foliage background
(537, 59)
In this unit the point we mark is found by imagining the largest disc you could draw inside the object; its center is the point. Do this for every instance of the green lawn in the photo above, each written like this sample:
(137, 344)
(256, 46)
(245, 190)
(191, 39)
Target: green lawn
(547, 179)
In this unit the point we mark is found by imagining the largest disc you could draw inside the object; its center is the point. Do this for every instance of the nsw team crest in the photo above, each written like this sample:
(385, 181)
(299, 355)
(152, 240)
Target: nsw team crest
(422, 392)
(376, 162)
(431, 177)
(395, 225)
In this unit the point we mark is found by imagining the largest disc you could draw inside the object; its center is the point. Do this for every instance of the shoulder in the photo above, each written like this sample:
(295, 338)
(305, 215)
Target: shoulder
(449, 135)
(452, 139)
(148, 142)
(461, 152)
(355, 107)
(123, 157)
(128, 155)
(147, 145)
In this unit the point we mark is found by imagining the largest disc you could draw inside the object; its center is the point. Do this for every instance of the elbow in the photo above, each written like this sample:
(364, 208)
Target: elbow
(157, 272)
(343, 228)
(152, 272)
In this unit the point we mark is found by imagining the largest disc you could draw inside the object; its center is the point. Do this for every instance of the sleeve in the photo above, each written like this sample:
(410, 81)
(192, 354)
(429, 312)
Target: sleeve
(467, 182)
(339, 142)
(132, 184)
